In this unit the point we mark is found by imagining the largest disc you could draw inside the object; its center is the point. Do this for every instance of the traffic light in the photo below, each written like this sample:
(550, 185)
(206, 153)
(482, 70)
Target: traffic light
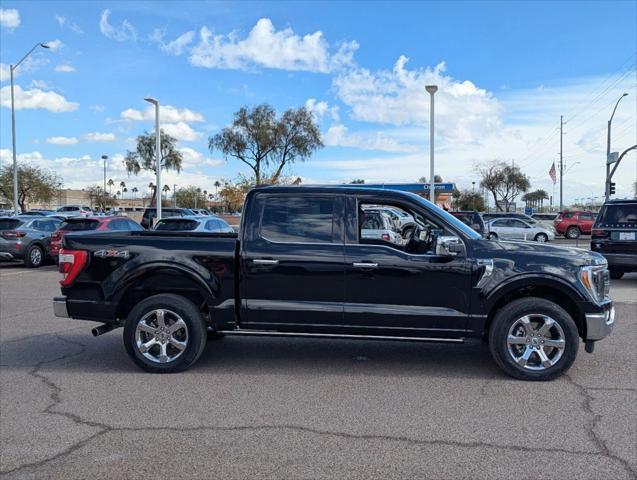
(611, 188)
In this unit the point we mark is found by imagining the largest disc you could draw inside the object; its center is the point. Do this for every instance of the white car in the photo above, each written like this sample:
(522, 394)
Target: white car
(74, 211)
(377, 225)
(516, 229)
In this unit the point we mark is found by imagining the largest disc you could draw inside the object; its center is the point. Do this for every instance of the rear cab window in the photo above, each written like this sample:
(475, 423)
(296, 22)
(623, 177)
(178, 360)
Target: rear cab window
(176, 225)
(78, 225)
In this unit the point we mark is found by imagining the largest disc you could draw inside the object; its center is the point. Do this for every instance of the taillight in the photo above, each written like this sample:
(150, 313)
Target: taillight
(386, 237)
(71, 263)
(13, 234)
(599, 233)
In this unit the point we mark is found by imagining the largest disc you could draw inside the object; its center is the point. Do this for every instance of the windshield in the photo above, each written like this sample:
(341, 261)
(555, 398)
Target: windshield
(79, 225)
(618, 213)
(457, 224)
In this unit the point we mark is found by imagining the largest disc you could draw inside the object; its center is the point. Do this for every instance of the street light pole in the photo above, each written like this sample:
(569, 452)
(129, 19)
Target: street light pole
(12, 68)
(104, 158)
(610, 121)
(432, 194)
(157, 156)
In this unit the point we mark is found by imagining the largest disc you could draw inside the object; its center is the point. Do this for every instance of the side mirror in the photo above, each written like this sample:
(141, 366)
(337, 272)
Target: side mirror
(448, 246)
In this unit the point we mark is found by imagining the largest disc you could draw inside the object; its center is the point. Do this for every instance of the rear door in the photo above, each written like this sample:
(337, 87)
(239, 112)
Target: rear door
(292, 262)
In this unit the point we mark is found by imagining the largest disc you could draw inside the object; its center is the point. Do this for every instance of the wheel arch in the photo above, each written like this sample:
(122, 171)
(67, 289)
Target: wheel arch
(549, 288)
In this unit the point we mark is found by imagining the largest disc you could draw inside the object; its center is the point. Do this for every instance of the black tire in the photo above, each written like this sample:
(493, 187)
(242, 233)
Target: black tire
(542, 237)
(510, 315)
(492, 236)
(616, 273)
(173, 304)
(407, 232)
(572, 232)
(35, 257)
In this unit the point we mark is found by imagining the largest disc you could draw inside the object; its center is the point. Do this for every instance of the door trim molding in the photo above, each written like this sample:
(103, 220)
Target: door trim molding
(274, 333)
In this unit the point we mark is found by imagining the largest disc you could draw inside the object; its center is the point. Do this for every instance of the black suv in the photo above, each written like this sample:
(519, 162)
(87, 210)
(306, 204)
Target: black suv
(614, 235)
(471, 219)
(150, 214)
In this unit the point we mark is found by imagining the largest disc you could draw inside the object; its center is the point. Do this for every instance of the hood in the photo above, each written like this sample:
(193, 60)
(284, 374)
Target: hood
(534, 252)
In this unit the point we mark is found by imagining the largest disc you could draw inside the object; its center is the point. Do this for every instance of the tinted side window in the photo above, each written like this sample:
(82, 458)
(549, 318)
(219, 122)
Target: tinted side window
(290, 219)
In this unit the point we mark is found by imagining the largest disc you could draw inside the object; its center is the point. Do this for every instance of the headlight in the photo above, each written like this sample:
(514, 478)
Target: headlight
(596, 281)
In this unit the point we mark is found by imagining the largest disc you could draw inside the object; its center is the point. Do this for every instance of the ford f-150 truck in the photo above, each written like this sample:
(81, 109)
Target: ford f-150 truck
(300, 267)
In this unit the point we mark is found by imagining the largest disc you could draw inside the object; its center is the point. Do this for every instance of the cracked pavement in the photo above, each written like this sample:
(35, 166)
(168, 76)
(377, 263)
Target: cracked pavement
(74, 406)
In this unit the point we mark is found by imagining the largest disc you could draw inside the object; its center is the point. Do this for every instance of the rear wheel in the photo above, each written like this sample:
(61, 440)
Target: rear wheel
(541, 237)
(572, 232)
(165, 333)
(34, 257)
(533, 339)
(616, 273)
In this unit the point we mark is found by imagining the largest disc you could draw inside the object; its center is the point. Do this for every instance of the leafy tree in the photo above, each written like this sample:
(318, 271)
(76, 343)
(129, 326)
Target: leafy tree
(357, 181)
(267, 144)
(437, 179)
(190, 197)
(468, 200)
(503, 181)
(143, 158)
(536, 198)
(98, 197)
(233, 196)
(35, 184)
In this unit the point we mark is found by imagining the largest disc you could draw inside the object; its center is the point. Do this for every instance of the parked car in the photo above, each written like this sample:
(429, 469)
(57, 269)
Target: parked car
(486, 217)
(574, 223)
(38, 213)
(300, 267)
(200, 212)
(472, 219)
(26, 238)
(193, 223)
(516, 229)
(545, 219)
(403, 221)
(376, 224)
(150, 214)
(69, 211)
(89, 224)
(614, 235)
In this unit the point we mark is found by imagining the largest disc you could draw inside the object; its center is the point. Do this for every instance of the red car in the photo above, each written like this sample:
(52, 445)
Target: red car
(574, 223)
(83, 224)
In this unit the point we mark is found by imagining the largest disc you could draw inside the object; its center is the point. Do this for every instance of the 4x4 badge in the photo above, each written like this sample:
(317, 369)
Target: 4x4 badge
(112, 254)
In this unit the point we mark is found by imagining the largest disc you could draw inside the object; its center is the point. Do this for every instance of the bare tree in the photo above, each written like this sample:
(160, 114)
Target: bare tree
(505, 182)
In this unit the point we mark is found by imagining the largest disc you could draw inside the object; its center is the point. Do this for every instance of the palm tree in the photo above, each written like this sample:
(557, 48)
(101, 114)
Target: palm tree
(110, 184)
(124, 190)
(118, 193)
(165, 190)
(134, 190)
(122, 184)
(217, 185)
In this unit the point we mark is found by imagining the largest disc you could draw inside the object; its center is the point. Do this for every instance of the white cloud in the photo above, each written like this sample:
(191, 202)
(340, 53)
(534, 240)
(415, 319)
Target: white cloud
(464, 112)
(177, 46)
(62, 140)
(36, 98)
(96, 108)
(181, 131)
(270, 48)
(9, 18)
(38, 84)
(64, 22)
(65, 68)
(320, 109)
(167, 113)
(125, 31)
(193, 159)
(99, 137)
(54, 45)
(339, 136)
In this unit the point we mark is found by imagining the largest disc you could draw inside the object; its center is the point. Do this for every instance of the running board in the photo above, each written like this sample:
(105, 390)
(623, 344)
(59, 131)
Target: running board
(268, 333)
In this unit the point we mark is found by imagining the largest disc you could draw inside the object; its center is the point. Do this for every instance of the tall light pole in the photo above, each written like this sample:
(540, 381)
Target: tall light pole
(158, 193)
(104, 158)
(432, 194)
(610, 121)
(12, 68)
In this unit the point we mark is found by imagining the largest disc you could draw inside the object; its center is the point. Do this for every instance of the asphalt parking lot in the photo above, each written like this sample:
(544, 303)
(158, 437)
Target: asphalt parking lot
(74, 406)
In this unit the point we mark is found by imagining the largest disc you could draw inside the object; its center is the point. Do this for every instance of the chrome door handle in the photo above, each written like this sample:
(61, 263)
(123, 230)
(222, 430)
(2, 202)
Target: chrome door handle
(364, 265)
(264, 261)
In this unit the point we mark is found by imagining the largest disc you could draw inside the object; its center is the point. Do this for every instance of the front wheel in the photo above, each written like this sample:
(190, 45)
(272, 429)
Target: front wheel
(493, 236)
(541, 237)
(165, 333)
(533, 339)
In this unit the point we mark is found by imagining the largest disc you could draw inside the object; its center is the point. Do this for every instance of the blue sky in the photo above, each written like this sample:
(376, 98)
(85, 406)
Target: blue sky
(506, 71)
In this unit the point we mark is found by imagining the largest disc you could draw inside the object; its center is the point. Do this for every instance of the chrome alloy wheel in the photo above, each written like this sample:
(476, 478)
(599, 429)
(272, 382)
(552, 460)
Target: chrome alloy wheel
(161, 336)
(36, 256)
(536, 342)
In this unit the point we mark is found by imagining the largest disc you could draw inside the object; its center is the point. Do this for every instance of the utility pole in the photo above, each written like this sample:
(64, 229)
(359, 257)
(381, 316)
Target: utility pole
(561, 163)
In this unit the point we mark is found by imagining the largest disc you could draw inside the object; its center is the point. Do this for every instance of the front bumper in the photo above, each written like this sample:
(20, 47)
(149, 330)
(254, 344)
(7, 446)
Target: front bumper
(6, 256)
(59, 307)
(599, 325)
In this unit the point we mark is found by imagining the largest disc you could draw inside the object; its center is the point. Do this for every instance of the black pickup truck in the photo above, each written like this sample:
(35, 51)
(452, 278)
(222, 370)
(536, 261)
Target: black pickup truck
(300, 267)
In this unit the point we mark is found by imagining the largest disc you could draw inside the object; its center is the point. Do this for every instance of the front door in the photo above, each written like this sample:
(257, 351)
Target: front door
(405, 290)
(292, 263)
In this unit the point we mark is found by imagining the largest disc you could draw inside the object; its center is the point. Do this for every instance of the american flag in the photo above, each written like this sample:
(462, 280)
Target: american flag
(552, 173)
